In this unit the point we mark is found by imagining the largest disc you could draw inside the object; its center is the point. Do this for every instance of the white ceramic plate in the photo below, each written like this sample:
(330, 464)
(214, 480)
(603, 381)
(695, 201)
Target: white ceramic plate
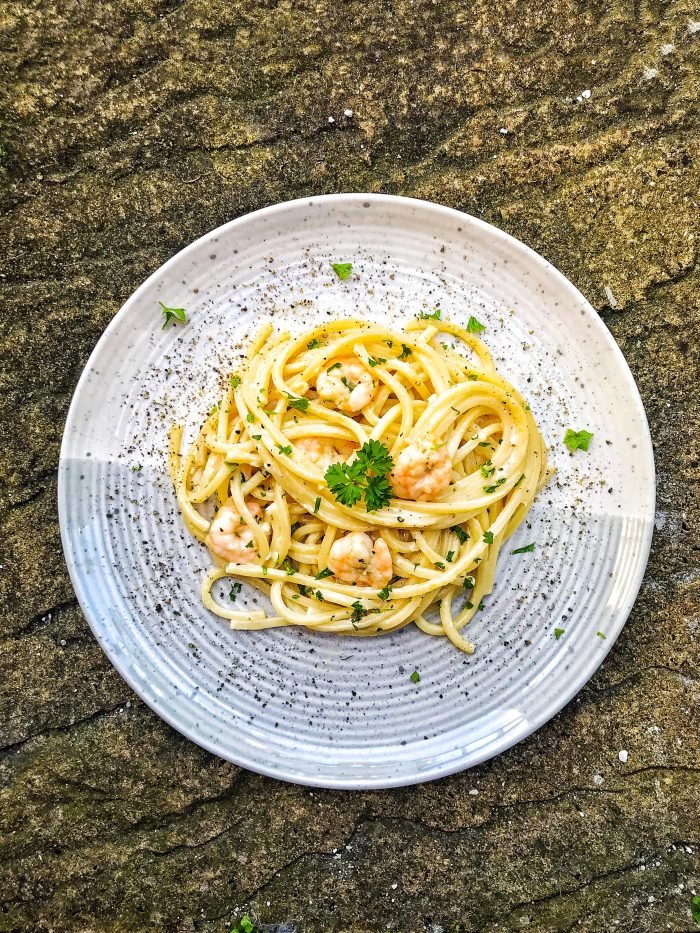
(326, 710)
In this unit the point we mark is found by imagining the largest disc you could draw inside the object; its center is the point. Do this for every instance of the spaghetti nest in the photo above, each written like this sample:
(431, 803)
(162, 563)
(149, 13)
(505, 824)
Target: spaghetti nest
(362, 478)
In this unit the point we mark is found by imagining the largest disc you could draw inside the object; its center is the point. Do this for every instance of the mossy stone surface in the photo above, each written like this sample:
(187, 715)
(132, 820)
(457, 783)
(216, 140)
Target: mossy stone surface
(132, 127)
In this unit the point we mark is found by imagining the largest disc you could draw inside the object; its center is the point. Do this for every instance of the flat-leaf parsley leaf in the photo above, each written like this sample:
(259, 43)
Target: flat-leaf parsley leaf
(474, 326)
(342, 269)
(178, 315)
(435, 316)
(577, 440)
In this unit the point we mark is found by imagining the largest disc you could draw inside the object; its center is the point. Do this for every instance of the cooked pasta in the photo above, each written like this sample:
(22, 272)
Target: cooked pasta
(362, 478)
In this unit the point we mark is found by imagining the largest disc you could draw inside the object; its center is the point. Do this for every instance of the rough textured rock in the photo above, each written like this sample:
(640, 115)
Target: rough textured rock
(132, 127)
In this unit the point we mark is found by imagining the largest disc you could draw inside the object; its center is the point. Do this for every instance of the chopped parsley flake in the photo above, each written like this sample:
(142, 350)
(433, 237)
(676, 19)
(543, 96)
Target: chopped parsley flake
(334, 366)
(244, 925)
(487, 469)
(601, 635)
(695, 908)
(384, 593)
(256, 437)
(524, 550)
(488, 537)
(415, 677)
(405, 352)
(284, 450)
(358, 612)
(322, 574)
(449, 556)
(342, 269)
(372, 362)
(300, 404)
(439, 564)
(577, 440)
(469, 583)
(313, 344)
(177, 315)
(317, 505)
(235, 381)
(462, 535)
(250, 417)
(468, 605)
(235, 590)
(490, 489)
(435, 316)
(558, 632)
(474, 326)
(289, 568)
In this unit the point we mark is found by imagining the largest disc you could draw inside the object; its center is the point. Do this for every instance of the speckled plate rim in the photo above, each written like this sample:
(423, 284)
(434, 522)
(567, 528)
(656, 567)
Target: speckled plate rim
(555, 704)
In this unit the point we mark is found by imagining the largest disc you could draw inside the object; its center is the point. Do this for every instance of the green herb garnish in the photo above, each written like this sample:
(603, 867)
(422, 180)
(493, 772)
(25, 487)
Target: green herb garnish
(577, 440)
(474, 326)
(462, 535)
(234, 591)
(600, 635)
(313, 344)
(524, 550)
(235, 381)
(384, 593)
(405, 352)
(695, 908)
(469, 583)
(284, 450)
(372, 362)
(244, 925)
(317, 505)
(250, 417)
(289, 568)
(558, 632)
(490, 489)
(449, 556)
(415, 677)
(367, 475)
(439, 564)
(300, 404)
(488, 537)
(435, 316)
(358, 612)
(178, 315)
(322, 574)
(334, 366)
(342, 269)
(487, 469)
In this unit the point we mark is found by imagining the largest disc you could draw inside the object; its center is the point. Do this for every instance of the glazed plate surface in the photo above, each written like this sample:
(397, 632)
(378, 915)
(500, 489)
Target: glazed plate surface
(322, 709)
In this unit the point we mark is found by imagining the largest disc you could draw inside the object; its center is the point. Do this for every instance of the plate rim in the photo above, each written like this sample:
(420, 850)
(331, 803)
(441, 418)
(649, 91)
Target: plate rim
(584, 674)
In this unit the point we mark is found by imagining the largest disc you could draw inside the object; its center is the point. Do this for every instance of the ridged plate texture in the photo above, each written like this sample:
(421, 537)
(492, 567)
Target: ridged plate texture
(325, 710)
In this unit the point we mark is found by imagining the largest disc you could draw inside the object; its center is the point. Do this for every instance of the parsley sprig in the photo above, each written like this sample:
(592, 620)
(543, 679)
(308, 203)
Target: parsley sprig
(367, 476)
